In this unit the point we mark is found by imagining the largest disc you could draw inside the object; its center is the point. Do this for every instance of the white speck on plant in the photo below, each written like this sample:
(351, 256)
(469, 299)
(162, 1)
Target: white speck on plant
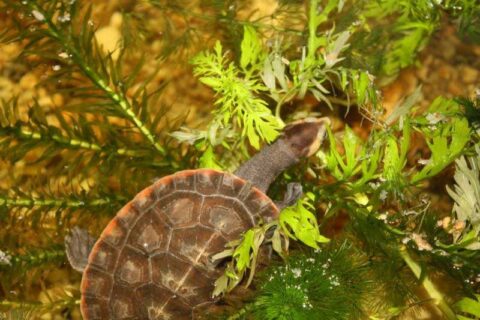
(434, 118)
(382, 217)
(383, 195)
(5, 258)
(423, 162)
(38, 15)
(297, 272)
(421, 243)
(65, 18)
(374, 185)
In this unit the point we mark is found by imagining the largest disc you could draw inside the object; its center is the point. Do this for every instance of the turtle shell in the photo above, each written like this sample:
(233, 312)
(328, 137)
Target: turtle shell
(152, 260)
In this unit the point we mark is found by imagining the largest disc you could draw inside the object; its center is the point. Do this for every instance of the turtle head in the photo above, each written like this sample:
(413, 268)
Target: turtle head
(305, 136)
(298, 139)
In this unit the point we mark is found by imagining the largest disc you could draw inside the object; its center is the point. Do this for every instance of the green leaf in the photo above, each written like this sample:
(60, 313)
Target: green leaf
(404, 107)
(277, 242)
(361, 83)
(208, 160)
(333, 50)
(392, 164)
(445, 143)
(242, 252)
(252, 135)
(317, 17)
(299, 223)
(211, 82)
(344, 167)
(221, 285)
(466, 194)
(251, 48)
(469, 306)
(238, 90)
(395, 156)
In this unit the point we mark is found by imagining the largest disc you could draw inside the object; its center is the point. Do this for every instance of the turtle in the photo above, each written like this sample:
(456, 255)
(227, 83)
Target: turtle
(152, 261)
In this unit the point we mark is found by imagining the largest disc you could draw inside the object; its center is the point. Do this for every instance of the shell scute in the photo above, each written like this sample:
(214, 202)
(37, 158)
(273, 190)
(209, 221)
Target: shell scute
(144, 200)
(256, 203)
(195, 294)
(122, 306)
(106, 257)
(163, 187)
(269, 212)
(133, 269)
(97, 308)
(176, 309)
(126, 216)
(232, 186)
(196, 244)
(122, 309)
(99, 285)
(149, 234)
(182, 209)
(168, 271)
(228, 217)
(153, 298)
(207, 181)
(116, 232)
(184, 180)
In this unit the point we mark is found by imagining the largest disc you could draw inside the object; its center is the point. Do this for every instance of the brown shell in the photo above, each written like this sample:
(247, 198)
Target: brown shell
(152, 260)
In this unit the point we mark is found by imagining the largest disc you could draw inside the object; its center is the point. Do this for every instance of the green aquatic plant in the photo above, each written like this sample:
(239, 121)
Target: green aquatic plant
(408, 26)
(469, 308)
(264, 71)
(466, 194)
(330, 283)
(296, 222)
(239, 95)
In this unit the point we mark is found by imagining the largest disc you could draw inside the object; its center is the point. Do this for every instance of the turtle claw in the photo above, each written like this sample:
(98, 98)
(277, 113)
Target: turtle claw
(78, 245)
(293, 193)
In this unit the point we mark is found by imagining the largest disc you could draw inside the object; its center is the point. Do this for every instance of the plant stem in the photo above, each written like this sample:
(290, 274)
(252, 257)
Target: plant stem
(312, 28)
(27, 133)
(429, 286)
(117, 97)
(68, 203)
(38, 257)
(27, 305)
(241, 312)
(288, 95)
(342, 102)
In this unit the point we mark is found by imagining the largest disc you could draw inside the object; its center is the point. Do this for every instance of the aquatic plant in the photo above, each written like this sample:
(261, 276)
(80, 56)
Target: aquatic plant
(329, 283)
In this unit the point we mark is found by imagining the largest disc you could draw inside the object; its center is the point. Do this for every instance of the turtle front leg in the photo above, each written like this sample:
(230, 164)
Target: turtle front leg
(293, 193)
(78, 245)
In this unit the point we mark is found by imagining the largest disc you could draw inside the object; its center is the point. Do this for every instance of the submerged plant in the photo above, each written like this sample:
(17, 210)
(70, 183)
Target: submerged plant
(466, 194)
(295, 222)
(330, 283)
